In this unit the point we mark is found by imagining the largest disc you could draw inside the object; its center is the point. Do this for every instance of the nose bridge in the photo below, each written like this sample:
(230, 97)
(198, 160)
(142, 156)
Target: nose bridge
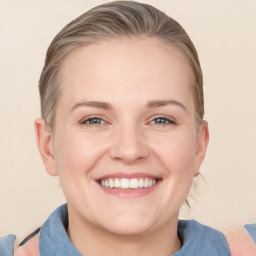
(129, 142)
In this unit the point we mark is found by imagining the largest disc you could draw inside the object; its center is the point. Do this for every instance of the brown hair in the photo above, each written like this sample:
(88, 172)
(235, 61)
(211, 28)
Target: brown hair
(115, 20)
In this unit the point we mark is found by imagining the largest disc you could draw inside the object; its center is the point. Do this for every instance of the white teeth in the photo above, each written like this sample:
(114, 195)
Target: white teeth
(117, 183)
(141, 183)
(134, 183)
(124, 183)
(111, 183)
(146, 183)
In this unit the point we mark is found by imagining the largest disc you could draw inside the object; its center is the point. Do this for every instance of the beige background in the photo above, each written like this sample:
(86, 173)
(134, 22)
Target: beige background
(224, 32)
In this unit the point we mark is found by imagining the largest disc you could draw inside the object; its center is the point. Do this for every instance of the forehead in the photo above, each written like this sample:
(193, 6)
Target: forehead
(124, 66)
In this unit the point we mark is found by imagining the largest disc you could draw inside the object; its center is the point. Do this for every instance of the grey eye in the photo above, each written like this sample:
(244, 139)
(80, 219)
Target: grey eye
(161, 120)
(93, 121)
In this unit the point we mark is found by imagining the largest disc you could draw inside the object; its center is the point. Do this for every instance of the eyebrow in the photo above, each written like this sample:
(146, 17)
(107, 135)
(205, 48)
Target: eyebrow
(161, 103)
(94, 104)
(107, 106)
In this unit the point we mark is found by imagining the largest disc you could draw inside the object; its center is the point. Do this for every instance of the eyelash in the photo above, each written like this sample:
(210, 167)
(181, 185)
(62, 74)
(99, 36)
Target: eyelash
(94, 121)
(88, 120)
(166, 120)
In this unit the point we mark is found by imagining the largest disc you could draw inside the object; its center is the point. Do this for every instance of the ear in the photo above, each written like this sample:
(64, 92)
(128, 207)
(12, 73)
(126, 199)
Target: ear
(202, 143)
(44, 141)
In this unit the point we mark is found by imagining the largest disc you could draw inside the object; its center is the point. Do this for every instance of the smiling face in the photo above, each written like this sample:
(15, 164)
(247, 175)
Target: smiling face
(125, 144)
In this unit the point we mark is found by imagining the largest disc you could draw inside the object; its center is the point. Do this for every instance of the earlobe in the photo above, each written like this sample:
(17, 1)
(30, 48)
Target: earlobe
(202, 143)
(44, 141)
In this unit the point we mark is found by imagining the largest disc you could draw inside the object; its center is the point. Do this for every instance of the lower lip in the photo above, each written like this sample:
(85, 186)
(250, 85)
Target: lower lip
(128, 193)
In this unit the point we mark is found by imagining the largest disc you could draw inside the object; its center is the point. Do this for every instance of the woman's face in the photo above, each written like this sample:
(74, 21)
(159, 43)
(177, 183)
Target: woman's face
(125, 145)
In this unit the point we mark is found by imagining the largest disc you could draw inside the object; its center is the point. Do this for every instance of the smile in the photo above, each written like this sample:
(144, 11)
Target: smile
(124, 183)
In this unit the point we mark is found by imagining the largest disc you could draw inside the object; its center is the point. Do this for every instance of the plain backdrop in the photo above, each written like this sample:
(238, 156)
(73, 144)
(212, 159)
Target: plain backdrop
(224, 33)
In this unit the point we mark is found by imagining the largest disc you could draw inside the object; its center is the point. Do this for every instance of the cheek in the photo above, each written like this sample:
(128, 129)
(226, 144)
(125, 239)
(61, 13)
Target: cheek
(68, 156)
(74, 160)
(76, 154)
(178, 157)
(177, 151)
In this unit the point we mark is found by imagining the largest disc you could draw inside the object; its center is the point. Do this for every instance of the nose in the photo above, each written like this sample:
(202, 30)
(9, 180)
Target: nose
(129, 144)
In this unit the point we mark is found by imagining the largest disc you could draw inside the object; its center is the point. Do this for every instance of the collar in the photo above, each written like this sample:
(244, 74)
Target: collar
(197, 239)
(53, 239)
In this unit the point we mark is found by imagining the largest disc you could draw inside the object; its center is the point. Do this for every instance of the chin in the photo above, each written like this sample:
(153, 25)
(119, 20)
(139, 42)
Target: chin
(129, 228)
(126, 225)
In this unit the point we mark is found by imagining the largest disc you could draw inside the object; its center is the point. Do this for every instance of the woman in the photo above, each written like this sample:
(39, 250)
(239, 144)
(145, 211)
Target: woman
(122, 126)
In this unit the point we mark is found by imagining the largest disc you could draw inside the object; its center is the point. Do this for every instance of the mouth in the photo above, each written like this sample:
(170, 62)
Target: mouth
(128, 185)
(125, 183)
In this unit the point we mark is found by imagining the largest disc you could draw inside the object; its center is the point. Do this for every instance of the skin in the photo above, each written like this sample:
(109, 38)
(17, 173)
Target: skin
(128, 138)
(240, 242)
(30, 248)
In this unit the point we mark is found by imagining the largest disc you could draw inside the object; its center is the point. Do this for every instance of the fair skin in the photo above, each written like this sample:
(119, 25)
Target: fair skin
(240, 242)
(30, 248)
(126, 112)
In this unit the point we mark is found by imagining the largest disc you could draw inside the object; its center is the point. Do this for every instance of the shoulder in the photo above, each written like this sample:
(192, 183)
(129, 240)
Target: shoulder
(240, 242)
(7, 245)
(192, 228)
(199, 239)
(251, 229)
(30, 245)
(30, 248)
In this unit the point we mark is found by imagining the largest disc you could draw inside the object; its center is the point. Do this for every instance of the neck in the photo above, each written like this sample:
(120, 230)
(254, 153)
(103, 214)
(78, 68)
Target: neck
(92, 240)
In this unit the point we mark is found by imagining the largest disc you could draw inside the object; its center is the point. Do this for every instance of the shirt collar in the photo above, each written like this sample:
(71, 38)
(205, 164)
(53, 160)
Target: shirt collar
(53, 239)
(197, 239)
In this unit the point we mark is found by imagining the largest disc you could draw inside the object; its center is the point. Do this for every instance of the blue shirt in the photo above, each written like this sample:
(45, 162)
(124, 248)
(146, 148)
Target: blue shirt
(251, 229)
(197, 239)
(7, 245)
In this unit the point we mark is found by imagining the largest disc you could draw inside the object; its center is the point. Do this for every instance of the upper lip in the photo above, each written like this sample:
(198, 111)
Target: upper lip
(127, 176)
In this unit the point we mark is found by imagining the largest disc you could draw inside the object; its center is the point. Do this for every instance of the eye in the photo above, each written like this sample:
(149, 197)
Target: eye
(93, 121)
(162, 120)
